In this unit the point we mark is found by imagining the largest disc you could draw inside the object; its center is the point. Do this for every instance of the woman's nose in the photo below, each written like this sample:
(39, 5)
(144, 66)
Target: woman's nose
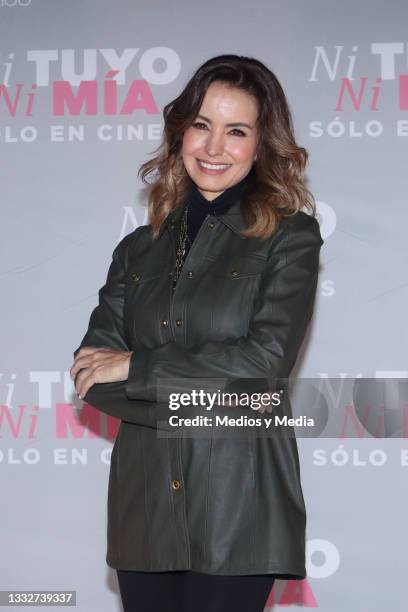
(214, 144)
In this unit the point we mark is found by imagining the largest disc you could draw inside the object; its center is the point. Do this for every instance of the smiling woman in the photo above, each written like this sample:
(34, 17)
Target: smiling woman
(220, 147)
(215, 293)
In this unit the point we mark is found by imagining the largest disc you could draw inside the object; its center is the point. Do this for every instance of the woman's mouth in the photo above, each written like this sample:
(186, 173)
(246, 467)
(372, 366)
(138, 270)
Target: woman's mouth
(210, 168)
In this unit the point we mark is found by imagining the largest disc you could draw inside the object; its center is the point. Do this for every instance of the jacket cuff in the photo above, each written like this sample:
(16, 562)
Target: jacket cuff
(140, 383)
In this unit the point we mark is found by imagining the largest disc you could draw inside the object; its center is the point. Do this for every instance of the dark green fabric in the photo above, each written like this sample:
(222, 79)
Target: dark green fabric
(243, 307)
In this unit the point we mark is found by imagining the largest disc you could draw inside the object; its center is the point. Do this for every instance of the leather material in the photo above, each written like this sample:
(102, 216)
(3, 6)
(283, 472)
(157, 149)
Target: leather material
(236, 320)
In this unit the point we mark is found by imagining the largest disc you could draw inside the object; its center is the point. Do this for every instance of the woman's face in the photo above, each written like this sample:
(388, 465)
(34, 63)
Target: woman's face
(224, 137)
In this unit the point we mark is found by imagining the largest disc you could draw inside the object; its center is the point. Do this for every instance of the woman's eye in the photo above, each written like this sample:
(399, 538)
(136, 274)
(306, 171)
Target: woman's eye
(235, 131)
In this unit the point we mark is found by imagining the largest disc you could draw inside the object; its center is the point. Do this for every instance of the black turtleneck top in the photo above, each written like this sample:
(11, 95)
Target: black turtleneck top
(199, 207)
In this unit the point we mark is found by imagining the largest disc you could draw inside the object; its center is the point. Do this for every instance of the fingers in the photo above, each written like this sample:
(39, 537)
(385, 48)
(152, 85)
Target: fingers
(99, 365)
(82, 358)
(85, 382)
(101, 371)
(84, 370)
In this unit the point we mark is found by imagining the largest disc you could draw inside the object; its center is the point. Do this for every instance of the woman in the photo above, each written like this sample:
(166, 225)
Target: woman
(215, 293)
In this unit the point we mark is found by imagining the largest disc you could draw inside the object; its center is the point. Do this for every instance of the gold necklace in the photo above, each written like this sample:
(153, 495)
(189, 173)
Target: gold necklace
(182, 241)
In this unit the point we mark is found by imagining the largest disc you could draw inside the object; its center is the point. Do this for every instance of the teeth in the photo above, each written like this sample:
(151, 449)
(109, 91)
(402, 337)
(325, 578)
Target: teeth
(214, 166)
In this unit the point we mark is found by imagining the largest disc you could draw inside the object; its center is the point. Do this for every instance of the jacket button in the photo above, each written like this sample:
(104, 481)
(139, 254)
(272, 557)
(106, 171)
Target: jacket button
(190, 274)
(179, 322)
(234, 272)
(176, 484)
(134, 276)
(211, 224)
(164, 322)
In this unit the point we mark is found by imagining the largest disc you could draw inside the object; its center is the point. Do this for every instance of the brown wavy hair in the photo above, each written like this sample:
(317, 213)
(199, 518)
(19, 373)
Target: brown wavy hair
(279, 187)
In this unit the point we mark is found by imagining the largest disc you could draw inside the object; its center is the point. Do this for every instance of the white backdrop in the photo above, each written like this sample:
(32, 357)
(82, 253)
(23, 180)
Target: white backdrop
(69, 193)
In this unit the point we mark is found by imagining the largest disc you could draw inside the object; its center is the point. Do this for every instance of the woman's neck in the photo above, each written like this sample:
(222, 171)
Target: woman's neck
(224, 199)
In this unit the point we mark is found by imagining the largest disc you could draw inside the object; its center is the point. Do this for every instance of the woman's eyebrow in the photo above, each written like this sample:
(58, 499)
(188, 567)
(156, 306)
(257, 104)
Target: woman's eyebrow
(227, 124)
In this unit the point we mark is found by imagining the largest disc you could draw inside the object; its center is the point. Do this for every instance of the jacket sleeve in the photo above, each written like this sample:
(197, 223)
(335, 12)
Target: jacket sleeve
(279, 321)
(106, 328)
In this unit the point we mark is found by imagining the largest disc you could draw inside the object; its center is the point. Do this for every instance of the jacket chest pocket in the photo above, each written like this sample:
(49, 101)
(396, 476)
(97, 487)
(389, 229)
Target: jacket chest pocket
(143, 290)
(137, 276)
(236, 287)
(240, 268)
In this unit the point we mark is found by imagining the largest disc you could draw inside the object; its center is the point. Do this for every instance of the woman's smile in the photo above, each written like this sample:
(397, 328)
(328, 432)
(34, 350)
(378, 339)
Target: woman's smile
(212, 168)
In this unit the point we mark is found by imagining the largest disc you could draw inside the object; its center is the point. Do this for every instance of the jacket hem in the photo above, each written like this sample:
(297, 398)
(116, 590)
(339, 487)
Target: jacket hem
(276, 569)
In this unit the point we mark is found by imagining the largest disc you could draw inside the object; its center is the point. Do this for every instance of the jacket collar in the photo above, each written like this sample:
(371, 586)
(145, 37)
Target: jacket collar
(232, 219)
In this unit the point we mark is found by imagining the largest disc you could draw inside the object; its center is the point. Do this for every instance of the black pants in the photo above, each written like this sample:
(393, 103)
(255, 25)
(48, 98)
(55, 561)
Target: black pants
(188, 591)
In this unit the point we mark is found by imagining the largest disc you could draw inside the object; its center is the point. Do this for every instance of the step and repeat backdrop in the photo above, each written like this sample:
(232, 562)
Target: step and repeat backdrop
(82, 88)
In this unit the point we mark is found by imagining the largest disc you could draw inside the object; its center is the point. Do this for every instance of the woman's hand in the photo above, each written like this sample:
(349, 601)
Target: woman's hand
(99, 365)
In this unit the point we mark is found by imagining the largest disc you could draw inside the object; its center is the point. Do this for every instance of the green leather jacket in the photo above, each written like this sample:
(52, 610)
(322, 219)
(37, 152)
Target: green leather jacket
(217, 504)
